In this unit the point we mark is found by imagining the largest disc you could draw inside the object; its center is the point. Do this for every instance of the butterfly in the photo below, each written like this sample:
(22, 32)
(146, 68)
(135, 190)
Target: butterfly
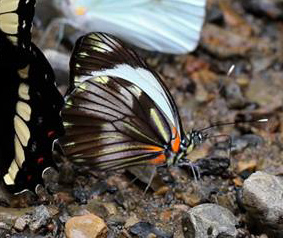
(30, 101)
(168, 26)
(120, 113)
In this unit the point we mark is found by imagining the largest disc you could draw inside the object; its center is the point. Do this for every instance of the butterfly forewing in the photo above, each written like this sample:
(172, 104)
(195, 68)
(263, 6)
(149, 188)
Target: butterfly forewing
(99, 54)
(16, 20)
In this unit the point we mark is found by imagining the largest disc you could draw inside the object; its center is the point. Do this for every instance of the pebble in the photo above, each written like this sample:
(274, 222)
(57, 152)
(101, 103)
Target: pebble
(86, 226)
(262, 198)
(145, 230)
(209, 221)
(40, 217)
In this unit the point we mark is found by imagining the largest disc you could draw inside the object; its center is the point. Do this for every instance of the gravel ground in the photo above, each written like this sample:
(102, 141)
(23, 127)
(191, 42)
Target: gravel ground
(226, 197)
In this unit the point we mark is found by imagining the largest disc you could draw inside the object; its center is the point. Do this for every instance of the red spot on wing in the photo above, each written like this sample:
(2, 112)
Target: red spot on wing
(175, 143)
(29, 177)
(50, 133)
(40, 160)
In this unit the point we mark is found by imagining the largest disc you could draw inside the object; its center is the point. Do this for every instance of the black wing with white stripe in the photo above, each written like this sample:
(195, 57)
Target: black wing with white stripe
(120, 113)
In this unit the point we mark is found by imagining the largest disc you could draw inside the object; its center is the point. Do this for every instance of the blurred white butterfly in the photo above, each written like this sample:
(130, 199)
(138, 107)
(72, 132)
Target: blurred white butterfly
(168, 26)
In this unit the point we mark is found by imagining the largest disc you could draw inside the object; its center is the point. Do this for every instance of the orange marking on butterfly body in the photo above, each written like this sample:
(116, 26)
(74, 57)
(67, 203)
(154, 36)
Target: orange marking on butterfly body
(160, 159)
(175, 143)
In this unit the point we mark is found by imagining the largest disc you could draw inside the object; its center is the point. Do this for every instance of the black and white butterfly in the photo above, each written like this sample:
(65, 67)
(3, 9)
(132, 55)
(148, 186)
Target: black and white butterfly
(30, 102)
(120, 113)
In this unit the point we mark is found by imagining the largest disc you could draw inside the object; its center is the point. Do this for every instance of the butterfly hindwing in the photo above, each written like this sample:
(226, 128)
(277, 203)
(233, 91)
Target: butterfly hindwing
(32, 121)
(111, 123)
(29, 98)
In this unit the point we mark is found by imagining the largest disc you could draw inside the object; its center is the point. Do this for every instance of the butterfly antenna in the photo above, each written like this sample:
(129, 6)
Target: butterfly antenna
(232, 123)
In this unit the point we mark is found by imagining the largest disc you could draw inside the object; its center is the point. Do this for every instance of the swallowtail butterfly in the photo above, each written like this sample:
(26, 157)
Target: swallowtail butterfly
(169, 26)
(29, 100)
(120, 113)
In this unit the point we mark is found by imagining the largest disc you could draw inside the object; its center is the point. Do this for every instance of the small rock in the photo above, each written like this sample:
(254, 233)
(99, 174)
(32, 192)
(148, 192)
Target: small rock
(238, 182)
(87, 226)
(163, 190)
(212, 165)
(191, 198)
(209, 220)
(246, 166)
(262, 198)
(132, 220)
(145, 230)
(40, 217)
(234, 96)
(22, 222)
(270, 8)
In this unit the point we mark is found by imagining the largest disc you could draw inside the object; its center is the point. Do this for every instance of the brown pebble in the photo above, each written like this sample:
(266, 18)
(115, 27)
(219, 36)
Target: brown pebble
(162, 190)
(238, 182)
(247, 165)
(86, 226)
(151, 235)
(191, 199)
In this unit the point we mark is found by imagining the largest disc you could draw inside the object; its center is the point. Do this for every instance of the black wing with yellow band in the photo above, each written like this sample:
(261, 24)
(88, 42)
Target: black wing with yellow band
(16, 21)
(29, 99)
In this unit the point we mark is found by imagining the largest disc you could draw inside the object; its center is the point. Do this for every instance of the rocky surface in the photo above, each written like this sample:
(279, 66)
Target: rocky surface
(220, 194)
(262, 198)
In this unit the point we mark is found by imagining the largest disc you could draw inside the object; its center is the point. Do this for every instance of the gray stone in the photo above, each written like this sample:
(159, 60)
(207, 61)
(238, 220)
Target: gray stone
(209, 221)
(40, 218)
(262, 197)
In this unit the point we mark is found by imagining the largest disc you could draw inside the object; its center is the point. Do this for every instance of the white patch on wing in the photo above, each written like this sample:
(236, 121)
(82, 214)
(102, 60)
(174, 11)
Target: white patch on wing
(145, 80)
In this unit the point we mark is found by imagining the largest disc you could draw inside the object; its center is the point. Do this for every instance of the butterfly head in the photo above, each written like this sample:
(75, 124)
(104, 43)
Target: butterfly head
(195, 138)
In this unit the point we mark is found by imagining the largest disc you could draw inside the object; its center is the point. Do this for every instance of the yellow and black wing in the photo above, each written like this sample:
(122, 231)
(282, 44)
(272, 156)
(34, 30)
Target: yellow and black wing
(29, 99)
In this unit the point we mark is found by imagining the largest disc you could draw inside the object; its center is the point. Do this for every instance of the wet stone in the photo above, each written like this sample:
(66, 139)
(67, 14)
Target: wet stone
(270, 8)
(209, 220)
(144, 229)
(212, 165)
(86, 226)
(262, 198)
(239, 143)
(99, 188)
(81, 195)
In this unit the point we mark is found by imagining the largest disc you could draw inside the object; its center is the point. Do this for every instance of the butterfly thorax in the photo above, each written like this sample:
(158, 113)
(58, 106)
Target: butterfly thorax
(187, 144)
